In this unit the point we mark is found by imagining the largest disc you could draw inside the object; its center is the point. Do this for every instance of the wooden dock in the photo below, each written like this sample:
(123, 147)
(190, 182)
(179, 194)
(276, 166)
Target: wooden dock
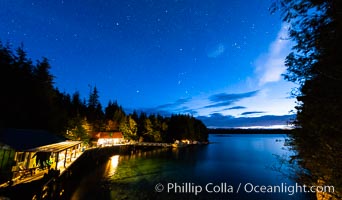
(37, 173)
(152, 144)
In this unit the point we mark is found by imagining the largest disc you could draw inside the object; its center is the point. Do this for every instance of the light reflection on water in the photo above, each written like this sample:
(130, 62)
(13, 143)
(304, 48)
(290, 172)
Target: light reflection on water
(112, 165)
(231, 159)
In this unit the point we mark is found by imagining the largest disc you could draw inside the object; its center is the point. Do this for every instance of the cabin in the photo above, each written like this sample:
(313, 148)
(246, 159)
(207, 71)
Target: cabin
(25, 151)
(108, 138)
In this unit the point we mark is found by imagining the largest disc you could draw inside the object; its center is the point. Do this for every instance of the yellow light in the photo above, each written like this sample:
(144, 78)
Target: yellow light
(114, 161)
(112, 165)
(100, 141)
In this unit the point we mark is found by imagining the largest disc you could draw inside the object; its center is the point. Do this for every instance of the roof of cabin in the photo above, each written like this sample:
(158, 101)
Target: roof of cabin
(25, 139)
(109, 135)
(56, 147)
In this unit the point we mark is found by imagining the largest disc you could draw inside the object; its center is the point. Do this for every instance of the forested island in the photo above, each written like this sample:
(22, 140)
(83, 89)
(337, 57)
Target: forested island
(30, 101)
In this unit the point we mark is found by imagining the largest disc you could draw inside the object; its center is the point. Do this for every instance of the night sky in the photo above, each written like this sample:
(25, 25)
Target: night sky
(219, 60)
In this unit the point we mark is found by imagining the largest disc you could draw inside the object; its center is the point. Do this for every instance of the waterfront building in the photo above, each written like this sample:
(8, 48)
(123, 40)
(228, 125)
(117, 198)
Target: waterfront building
(24, 152)
(108, 138)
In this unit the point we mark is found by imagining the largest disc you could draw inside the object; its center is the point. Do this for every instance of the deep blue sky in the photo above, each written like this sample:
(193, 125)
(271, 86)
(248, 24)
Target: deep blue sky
(210, 58)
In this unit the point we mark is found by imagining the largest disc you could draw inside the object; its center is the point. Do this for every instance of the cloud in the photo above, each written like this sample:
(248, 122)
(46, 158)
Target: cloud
(219, 104)
(175, 104)
(252, 112)
(225, 99)
(217, 51)
(169, 108)
(271, 66)
(236, 108)
(218, 120)
(232, 97)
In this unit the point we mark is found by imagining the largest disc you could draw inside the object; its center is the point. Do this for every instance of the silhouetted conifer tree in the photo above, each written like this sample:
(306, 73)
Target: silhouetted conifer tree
(316, 65)
(95, 115)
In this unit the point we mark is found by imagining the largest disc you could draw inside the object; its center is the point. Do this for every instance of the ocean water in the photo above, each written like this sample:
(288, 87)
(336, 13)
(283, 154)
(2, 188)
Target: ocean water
(235, 166)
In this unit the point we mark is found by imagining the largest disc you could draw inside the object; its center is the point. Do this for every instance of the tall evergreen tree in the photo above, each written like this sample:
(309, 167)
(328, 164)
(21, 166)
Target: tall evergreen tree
(7, 84)
(95, 114)
(114, 116)
(44, 94)
(78, 108)
(129, 128)
(23, 62)
(135, 116)
(316, 65)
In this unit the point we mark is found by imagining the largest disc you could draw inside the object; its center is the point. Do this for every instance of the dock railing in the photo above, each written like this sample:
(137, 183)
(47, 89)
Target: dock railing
(155, 144)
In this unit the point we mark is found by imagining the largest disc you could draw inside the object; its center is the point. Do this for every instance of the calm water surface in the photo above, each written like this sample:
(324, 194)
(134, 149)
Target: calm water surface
(214, 171)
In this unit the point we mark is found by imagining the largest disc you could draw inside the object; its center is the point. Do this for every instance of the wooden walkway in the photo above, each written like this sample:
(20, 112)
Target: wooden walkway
(36, 174)
(152, 144)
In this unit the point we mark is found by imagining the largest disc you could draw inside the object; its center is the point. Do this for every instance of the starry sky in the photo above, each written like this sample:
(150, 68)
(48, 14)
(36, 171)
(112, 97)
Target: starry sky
(218, 60)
